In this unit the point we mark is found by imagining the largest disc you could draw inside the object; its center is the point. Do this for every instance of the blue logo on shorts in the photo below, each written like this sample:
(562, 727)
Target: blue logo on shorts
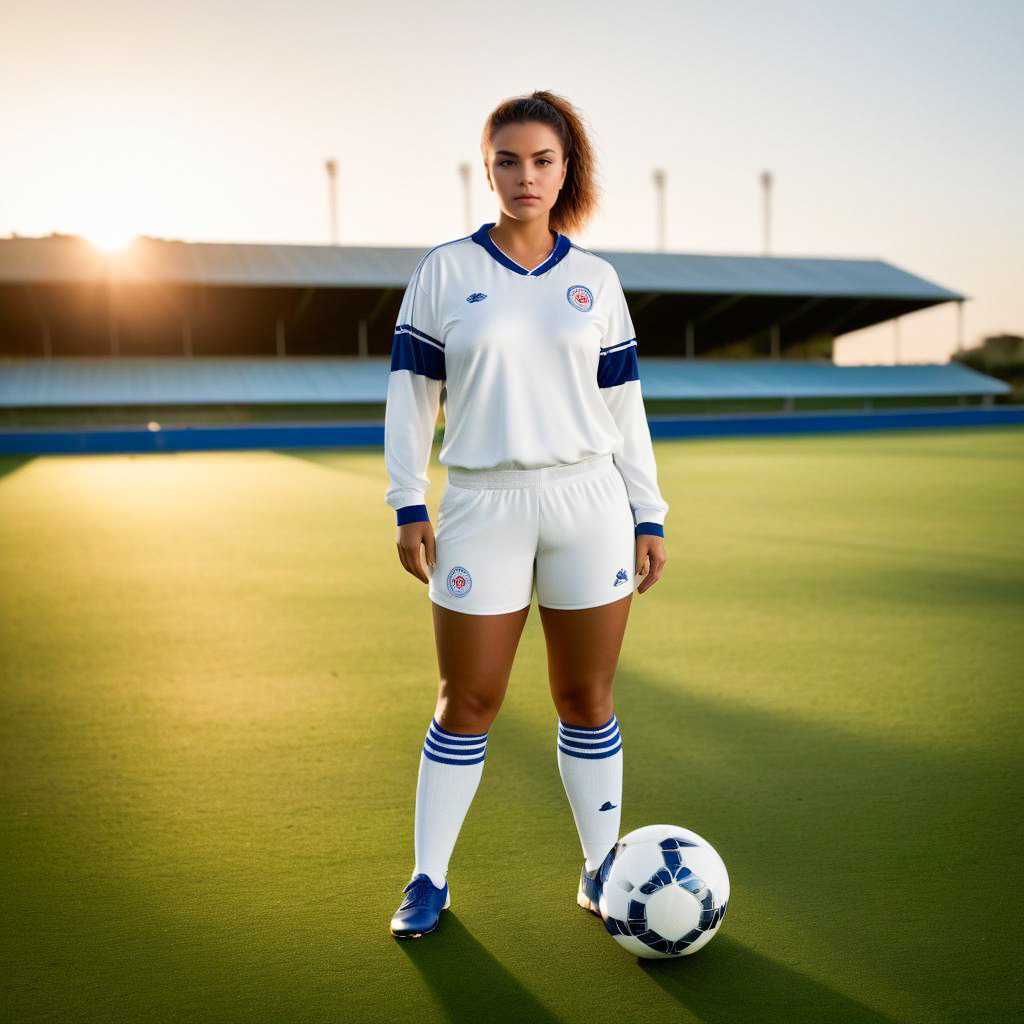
(476, 297)
(621, 577)
(459, 582)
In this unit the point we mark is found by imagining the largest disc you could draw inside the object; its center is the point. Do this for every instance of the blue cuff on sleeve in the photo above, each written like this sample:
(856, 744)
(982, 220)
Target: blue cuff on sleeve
(654, 529)
(412, 514)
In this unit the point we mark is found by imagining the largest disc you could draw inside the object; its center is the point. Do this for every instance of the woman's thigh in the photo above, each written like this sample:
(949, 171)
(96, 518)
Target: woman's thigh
(583, 652)
(474, 660)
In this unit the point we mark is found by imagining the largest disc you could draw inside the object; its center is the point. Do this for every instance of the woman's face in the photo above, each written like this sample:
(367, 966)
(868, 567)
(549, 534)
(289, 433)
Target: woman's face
(525, 159)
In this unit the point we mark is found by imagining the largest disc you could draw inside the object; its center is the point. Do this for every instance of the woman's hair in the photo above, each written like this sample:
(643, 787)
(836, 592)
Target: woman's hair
(579, 198)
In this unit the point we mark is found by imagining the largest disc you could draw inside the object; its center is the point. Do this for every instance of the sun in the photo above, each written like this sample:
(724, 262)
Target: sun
(110, 238)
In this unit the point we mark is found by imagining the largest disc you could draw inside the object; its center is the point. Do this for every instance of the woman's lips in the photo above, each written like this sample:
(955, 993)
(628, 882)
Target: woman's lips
(527, 199)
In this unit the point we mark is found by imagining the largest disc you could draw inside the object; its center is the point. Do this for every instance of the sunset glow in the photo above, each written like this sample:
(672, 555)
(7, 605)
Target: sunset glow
(111, 238)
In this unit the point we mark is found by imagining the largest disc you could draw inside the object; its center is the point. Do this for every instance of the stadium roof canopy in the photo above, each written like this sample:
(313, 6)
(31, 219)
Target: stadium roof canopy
(681, 303)
(154, 261)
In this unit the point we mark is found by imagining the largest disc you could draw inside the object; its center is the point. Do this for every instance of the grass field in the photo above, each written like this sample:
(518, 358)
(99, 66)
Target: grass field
(216, 678)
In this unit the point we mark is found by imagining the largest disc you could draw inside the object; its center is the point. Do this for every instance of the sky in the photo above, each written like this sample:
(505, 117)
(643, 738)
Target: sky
(892, 128)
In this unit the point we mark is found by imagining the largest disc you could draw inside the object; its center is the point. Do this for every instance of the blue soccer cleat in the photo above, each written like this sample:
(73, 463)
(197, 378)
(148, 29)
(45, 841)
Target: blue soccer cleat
(591, 883)
(421, 908)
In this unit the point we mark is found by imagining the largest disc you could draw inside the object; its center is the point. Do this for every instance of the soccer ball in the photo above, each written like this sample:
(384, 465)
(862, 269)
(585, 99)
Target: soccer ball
(665, 892)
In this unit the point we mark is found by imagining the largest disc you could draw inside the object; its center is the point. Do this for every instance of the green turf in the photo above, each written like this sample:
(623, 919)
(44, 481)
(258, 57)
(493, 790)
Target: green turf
(217, 677)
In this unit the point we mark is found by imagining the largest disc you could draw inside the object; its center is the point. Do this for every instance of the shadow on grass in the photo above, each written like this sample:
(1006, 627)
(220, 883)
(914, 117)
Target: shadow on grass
(12, 463)
(470, 983)
(730, 985)
(733, 984)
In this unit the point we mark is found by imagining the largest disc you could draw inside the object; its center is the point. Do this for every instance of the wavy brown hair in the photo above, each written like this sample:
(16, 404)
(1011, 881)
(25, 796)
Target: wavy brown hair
(579, 198)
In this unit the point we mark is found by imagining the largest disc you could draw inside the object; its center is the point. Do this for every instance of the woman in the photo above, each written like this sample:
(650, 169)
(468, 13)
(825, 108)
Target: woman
(551, 483)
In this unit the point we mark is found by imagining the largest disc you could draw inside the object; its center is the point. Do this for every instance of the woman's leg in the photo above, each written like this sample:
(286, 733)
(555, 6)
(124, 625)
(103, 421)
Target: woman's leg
(583, 652)
(474, 661)
(474, 656)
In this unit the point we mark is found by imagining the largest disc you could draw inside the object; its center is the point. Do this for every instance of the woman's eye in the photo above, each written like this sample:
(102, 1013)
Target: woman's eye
(501, 163)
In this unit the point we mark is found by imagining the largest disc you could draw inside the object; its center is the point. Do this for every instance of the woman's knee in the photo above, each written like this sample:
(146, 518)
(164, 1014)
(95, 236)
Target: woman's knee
(469, 712)
(589, 708)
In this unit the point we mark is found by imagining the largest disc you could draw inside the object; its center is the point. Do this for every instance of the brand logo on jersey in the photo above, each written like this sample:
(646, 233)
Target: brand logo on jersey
(459, 582)
(621, 577)
(580, 297)
(476, 297)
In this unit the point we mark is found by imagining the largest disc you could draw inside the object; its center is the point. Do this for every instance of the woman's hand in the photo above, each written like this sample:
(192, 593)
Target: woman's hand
(409, 539)
(650, 559)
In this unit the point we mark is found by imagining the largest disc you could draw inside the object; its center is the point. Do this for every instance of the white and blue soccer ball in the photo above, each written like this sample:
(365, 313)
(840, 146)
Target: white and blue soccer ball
(665, 893)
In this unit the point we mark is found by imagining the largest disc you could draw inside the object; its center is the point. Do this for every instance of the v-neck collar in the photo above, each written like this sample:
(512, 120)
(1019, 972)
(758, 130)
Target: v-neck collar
(562, 246)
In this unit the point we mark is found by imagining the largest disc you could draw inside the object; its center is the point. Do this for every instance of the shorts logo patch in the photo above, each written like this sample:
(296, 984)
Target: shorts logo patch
(621, 577)
(580, 297)
(459, 582)
(476, 297)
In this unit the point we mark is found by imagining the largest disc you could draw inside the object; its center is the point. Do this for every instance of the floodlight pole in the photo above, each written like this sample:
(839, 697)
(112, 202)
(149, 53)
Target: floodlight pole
(332, 197)
(766, 185)
(658, 174)
(467, 209)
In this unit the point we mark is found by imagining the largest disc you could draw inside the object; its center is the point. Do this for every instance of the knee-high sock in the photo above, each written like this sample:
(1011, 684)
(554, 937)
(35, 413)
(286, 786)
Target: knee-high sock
(450, 768)
(590, 763)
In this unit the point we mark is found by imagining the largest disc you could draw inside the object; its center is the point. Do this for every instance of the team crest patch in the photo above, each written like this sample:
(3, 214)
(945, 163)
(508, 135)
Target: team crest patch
(580, 297)
(476, 297)
(459, 582)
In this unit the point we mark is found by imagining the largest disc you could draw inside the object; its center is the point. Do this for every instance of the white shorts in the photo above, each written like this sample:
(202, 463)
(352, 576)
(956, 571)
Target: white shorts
(568, 530)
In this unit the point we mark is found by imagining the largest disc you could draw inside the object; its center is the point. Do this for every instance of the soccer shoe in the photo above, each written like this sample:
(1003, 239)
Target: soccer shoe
(591, 883)
(421, 908)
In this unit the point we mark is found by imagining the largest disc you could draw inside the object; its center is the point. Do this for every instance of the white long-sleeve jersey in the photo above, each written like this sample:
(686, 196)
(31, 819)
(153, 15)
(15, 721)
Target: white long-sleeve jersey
(532, 367)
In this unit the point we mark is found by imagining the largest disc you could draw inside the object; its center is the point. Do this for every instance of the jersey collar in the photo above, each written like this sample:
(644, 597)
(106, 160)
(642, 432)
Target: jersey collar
(562, 246)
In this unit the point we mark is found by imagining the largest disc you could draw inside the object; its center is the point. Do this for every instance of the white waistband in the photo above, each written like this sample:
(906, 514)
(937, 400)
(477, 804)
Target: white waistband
(539, 477)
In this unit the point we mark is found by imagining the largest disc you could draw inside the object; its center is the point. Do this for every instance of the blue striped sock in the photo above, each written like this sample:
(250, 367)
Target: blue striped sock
(450, 768)
(590, 764)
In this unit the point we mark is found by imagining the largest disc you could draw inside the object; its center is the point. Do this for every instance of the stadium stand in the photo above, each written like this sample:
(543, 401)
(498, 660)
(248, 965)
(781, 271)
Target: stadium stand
(95, 346)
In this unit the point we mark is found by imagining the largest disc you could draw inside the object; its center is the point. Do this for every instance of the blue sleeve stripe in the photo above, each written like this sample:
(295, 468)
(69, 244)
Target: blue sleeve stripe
(410, 352)
(617, 367)
(419, 334)
(654, 529)
(411, 514)
(621, 344)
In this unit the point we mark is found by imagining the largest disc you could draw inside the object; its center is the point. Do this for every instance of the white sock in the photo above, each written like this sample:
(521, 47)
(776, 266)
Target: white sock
(590, 763)
(450, 768)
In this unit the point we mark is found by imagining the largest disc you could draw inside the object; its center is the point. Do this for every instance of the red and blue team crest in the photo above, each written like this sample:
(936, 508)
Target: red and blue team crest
(580, 297)
(459, 582)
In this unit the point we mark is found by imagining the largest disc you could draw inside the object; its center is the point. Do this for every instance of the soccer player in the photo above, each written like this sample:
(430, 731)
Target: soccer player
(526, 340)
